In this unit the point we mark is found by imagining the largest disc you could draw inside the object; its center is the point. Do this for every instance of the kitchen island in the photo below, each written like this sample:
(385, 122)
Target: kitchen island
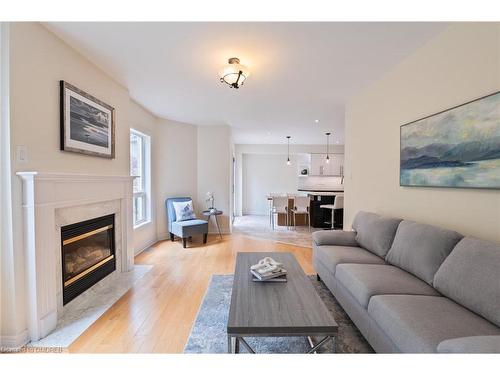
(321, 217)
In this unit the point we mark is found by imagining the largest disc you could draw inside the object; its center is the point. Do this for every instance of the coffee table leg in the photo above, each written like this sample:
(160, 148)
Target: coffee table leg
(318, 345)
(236, 345)
(334, 350)
(245, 344)
(229, 345)
(311, 344)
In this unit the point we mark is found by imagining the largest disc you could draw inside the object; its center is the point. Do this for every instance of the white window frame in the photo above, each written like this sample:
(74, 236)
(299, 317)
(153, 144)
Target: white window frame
(146, 178)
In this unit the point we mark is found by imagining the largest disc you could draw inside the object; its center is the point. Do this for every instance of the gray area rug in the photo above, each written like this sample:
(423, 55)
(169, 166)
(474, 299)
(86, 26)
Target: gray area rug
(209, 330)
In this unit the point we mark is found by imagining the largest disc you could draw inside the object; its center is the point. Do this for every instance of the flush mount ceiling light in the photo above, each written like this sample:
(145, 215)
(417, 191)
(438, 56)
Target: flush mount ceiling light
(234, 74)
(328, 147)
(288, 162)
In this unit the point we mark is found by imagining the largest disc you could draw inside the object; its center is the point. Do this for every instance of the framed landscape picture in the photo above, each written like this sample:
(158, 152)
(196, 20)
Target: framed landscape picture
(87, 124)
(457, 148)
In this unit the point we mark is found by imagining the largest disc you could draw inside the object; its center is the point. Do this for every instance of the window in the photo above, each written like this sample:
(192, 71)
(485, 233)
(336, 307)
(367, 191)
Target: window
(140, 167)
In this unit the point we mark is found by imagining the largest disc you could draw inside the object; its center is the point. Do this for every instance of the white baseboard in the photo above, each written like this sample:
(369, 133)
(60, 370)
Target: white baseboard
(163, 237)
(151, 243)
(167, 236)
(222, 231)
(13, 341)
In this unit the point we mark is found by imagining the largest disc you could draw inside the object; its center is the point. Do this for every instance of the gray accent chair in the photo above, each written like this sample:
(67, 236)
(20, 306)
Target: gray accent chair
(187, 228)
(412, 287)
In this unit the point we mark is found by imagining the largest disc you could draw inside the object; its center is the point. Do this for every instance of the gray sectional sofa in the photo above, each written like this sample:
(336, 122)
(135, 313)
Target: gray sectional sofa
(411, 287)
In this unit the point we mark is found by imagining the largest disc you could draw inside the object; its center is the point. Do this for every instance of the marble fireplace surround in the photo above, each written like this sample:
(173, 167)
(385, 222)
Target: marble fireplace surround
(53, 200)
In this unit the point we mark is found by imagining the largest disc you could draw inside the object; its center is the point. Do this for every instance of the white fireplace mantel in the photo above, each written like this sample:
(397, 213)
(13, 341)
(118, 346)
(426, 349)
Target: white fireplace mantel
(49, 199)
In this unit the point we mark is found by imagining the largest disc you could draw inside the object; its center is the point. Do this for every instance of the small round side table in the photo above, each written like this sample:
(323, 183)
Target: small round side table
(215, 213)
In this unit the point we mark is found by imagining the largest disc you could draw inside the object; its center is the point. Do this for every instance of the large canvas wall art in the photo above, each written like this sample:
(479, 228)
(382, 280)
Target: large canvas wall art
(87, 124)
(458, 148)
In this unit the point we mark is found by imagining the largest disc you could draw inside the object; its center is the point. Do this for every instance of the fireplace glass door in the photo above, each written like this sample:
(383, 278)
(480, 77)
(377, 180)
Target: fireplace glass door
(88, 254)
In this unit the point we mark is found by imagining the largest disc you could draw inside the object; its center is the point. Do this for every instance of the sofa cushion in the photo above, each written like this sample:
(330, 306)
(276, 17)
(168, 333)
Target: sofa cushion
(334, 237)
(417, 324)
(375, 233)
(470, 275)
(330, 256)
(421, 248)
(366, 280)
(472, 344)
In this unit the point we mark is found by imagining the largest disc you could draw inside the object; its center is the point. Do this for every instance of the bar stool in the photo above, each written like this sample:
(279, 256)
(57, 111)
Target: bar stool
(338, 204)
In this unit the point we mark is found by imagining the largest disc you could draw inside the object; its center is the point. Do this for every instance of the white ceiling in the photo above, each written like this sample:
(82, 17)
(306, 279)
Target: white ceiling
(300, 72)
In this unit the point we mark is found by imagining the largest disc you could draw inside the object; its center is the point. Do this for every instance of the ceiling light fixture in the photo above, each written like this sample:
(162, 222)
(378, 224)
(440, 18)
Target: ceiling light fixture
(234, 74)
(328, 147)
(288, 162)
(316, 121)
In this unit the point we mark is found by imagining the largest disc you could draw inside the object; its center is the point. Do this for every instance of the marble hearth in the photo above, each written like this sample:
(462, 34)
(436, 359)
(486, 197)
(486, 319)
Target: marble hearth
(51, 201)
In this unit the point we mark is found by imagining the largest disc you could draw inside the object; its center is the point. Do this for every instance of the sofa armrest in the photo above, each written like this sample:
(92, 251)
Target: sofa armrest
(471, 344)
(334, 237)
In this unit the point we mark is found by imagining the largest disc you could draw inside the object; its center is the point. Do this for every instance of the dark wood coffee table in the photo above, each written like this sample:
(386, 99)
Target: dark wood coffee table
(276, 309)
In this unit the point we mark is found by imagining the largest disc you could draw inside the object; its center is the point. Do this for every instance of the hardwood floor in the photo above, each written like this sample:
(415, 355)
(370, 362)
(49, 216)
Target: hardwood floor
(157, 314)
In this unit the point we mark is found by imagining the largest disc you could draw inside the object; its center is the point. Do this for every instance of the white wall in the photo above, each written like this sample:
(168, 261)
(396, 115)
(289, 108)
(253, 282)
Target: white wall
(190, 161)
(38, 61)
(214, 171)
(264, 174)
(12, 331)
(175, 166)
(461, 64)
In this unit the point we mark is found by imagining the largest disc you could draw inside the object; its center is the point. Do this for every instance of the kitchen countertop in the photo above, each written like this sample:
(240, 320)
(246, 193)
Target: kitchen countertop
(323, 192)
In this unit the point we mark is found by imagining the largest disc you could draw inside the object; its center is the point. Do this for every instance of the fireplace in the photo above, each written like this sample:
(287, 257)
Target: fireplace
(88, 254)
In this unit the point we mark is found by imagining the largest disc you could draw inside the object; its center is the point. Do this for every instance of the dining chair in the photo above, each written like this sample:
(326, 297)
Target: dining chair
(270, 197)
(301, 206)
(279, 206)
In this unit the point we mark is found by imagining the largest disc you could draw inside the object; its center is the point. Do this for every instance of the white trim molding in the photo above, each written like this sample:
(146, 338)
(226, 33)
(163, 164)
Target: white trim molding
(51, 200)
(143, 248)
(145, 176)
(13, 341)
(10, 318)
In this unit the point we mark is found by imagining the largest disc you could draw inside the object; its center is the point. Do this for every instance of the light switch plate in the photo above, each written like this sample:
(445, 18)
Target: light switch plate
(22, 154)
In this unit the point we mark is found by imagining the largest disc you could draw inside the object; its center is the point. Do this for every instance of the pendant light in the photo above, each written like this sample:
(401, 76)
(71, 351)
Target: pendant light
(328, 147)
(288, 162)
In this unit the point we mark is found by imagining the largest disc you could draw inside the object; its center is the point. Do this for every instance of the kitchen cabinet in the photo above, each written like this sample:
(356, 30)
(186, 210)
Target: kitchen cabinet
(319, 166)
(303, 164)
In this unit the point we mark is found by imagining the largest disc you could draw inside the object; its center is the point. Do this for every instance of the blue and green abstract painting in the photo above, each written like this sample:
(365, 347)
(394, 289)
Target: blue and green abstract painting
(458, 148)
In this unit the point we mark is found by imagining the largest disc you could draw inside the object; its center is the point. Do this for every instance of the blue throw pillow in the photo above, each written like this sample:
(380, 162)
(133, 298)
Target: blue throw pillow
(184, 210)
